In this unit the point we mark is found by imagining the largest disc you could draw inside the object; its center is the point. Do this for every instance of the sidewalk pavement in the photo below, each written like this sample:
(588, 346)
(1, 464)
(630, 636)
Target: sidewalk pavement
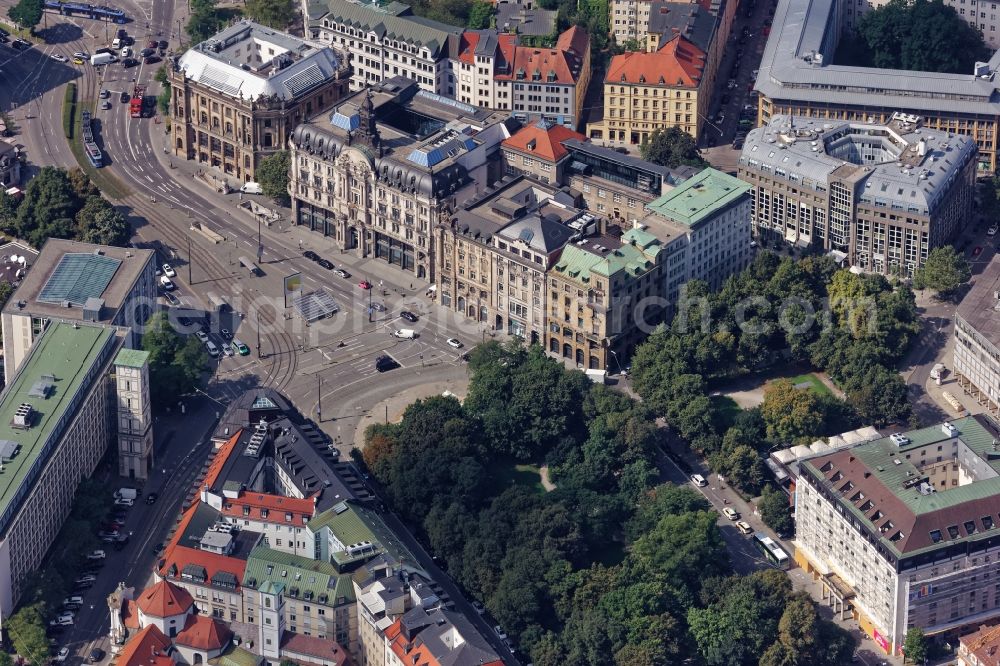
(391, 409)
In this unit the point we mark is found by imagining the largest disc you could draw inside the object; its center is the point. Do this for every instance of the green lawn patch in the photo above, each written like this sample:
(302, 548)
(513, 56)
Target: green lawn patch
(523, 475)
(726, 408)
(104, 180)
(815, 384)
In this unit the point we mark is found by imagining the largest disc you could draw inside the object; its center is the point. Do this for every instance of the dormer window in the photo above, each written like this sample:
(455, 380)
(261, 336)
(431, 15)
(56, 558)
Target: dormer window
(642, 78)
(953, 531)
(263, 513)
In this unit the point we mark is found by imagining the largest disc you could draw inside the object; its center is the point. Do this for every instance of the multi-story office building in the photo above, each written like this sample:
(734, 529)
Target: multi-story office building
(537, 150)
(637, 21)
(618, 186)
(902, 531)
(378, 173)
(714, 207)
(603, 293)
(882, 195)
(532, 82)
(549, 83)
(55, 426)
(480, 56)
(644, 92)
(977, 339)
(82, 282)
(497, 248)
(798, 77)
(385, 41)
(385, 590)
(236, 97)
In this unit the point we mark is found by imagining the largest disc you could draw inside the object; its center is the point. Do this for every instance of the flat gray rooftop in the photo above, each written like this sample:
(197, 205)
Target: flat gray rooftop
(66, 270)
(797, 66)
(978, 308)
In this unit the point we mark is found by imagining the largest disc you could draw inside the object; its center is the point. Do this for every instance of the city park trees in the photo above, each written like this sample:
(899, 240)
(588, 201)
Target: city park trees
(607, 567)
(807, 312)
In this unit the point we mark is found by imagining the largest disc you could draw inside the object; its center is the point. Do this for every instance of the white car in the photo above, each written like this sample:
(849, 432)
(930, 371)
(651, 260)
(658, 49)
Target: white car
(81, 55)
(744, 527)
(58, 57)
(202, 336)
(699, 480)
(479, 607)
(213, 351)
(126, 52)
(455, 342)
(501, 634)
(169, 271)
(992, 231)
(73, 600)
(227, 350)
(97, 555)
(124, 501)
(166, 284)
(63, 653)
(730, 513)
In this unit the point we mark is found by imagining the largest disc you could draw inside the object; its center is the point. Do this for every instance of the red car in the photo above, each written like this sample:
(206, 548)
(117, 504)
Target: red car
(976, 250)
(365, 284)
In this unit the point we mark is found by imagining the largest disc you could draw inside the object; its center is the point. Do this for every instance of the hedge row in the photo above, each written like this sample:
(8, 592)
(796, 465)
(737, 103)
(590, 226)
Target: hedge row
(69, 110)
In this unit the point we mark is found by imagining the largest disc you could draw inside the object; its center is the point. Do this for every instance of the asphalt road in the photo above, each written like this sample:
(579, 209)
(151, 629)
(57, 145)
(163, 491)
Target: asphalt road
(181, 446)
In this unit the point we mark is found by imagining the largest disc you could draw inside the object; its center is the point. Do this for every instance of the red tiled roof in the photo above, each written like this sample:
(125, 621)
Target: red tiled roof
(164, 600)
(467, 47)
(310, 646)
(546, 143)
(678, 63)
(130, 614)
(984, 643)
(213, 563)
(204, 633)
(215, 467)
(563, 63)
(147, 648)
(575, 40)
(507, 45)
(415, 653)
(276, 505)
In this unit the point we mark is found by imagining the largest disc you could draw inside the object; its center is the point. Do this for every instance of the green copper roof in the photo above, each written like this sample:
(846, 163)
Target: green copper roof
(351, 524)
(132, 358)
(880, 454)
(236, 656)
(269, 567)
(636, 256)
(59, 364)
(700, 197)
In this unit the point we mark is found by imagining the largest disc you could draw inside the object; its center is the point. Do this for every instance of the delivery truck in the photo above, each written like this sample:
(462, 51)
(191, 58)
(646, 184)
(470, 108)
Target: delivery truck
(102, 59)
(126, 493)
(405, 333)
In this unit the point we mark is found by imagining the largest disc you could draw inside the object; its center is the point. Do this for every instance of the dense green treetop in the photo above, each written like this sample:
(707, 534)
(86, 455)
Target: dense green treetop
(672, 147)
(272, 174)
(921, 35)
(944, 271)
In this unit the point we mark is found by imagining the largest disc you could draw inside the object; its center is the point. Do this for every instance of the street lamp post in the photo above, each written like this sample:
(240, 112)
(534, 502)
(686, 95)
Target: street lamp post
(258, 335)
(319, 397)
